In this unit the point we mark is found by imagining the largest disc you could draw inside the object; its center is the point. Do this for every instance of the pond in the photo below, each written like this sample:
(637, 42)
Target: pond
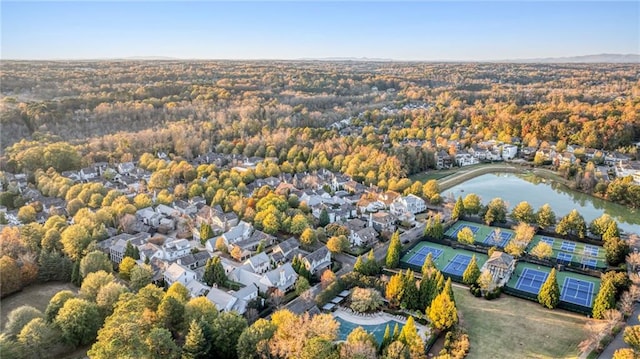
(515, 188)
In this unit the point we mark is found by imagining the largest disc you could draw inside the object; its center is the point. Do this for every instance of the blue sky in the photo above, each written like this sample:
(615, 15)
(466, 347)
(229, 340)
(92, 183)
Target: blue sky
(290, 30)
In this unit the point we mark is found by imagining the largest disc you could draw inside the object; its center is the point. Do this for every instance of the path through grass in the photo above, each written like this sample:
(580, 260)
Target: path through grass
(510, 327)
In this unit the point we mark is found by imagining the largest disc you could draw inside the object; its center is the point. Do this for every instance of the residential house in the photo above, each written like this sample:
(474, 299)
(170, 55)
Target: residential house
(317, 260)
(197, 288)
(178, 273)
(282, 278)
(149, 217)
(443, 160)
(509, 152)
(88, 173)
(126, 168)
(410, 203)
(382, 222)
(252, 243)
(363, 237)
(285, 251)
(259, 263)
(194, 260)
(172, 249)
(242, 231)
(466, 159)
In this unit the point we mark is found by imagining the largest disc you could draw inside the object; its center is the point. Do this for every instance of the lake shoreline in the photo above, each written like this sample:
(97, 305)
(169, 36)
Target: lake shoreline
(586, 203)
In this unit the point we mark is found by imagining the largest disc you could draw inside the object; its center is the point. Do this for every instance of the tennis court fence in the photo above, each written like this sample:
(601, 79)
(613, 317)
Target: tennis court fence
(573, 267)
(562, 305)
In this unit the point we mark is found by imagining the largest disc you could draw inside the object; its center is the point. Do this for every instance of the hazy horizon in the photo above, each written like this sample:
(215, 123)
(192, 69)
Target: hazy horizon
(407, 31)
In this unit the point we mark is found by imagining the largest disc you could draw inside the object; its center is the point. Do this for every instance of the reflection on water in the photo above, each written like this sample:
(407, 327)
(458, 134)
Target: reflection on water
(515, 188)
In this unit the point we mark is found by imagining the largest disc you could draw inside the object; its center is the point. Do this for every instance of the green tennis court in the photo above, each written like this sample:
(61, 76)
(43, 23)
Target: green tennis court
(566, 252)
(492, 236)
(446, 255)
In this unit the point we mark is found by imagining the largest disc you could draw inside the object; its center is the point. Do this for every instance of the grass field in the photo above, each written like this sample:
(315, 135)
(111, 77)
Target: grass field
(448, 253)
(436, 175)
(578, 253)
(481, 234)
(36, 295)
(561, 276)
(510, 327)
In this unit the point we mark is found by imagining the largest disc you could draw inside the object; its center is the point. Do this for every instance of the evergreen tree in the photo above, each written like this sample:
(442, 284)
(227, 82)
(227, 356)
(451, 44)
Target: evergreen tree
(76, 278)
(195, 344)
(449, 290)
(605, 300)
(458, 210)
(472, 273)
(386, 338)
(411, 297)
(324, 218)
(359, 265)
(442, 312)
(393, 254)
(427, 290)
(396, 332)
(214, 272)
(549, 295)
(371, 266)
(427, 266)
(260, 248)
(131, 251)
(612, 231)
(437, 231)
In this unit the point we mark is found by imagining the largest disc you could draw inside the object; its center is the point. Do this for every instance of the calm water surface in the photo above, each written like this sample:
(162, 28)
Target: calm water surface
(515, 188)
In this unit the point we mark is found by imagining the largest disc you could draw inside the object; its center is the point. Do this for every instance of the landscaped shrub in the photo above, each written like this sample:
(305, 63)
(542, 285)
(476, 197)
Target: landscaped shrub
(365, 300)
(493, 294)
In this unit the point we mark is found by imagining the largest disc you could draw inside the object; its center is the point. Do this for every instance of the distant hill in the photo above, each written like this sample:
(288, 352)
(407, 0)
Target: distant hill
(372, 59)
(600, 58)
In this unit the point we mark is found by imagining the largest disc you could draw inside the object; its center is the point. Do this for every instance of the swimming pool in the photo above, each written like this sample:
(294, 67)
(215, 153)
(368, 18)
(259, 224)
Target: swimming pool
(376, 329)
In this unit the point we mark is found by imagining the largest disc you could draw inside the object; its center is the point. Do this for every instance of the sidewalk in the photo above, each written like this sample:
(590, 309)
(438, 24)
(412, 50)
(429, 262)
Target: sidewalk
(618, 342)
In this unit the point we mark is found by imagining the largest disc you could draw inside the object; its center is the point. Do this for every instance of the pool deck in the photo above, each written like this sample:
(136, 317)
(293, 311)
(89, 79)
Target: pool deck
(377, 318)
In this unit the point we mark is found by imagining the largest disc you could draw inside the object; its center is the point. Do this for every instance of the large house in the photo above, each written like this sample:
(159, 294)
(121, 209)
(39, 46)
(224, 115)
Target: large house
(282, 278)
(382, 222)
(317, 260)
(178, 273)
(410, 203)
(363, 237)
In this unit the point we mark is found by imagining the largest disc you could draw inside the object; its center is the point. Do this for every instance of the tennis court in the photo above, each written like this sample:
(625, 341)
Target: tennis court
(577, 291)
(531, 280)
(458, 264)
(492, 236)
(459, 227)
(499, 239)
(446, 255)
(577, 254)
(421, 254)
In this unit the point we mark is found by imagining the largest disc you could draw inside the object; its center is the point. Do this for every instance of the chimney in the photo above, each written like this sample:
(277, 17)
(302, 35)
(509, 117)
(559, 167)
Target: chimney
(282, 277)
(370, 219)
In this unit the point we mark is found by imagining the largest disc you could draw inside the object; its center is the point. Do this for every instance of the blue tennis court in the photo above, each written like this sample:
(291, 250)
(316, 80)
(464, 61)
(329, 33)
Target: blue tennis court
(418, 258)
(531, 280)
(590, 263)
(564, 258)
(548, 240)
(457, 265)
(590, 250)
(577, 291)
(473, 229)
(568, 246)
(500, 242)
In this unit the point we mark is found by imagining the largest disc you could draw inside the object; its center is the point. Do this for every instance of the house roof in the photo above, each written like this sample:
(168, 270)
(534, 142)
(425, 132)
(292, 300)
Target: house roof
(175, 271)
(221, 299)
(318, 255)
(258, 260)
(367, 234)
(500, 259)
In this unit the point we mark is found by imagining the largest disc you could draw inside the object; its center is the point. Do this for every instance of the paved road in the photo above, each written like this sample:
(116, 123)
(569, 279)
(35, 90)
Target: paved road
(618, 342)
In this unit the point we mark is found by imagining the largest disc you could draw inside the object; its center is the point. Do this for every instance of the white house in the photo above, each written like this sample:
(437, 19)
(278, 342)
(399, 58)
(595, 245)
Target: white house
(283, 278)
(259, 263)
(317, 260)
(177, 273)
(242, 231)
(363, 237)
(173, 249)
(509, 152)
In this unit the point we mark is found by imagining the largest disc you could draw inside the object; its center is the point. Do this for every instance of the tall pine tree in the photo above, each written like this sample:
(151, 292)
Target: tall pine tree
(458, 210)
(195, 344)
(472, 273)
(549, 295)
(393, 254)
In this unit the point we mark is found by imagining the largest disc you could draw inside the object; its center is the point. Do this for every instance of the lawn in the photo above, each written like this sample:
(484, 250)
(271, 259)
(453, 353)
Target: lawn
(433, 174)
(510, 327)
(36, 295)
